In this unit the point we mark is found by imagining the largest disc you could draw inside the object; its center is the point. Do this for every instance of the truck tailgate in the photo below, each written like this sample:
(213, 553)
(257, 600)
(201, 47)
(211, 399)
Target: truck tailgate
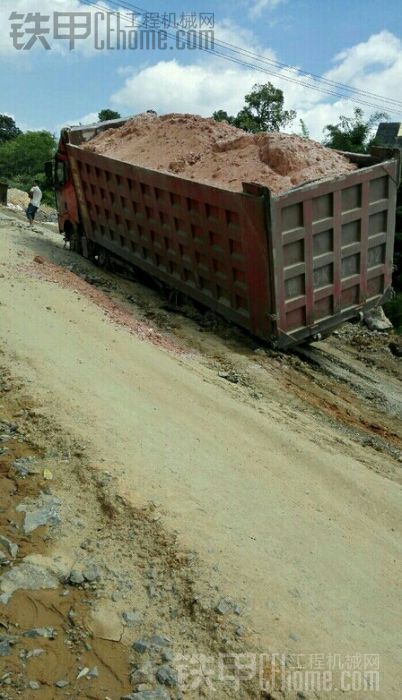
(332, 247)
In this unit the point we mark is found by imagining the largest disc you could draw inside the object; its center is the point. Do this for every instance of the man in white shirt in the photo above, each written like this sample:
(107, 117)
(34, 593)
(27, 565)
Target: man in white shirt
(35, 196)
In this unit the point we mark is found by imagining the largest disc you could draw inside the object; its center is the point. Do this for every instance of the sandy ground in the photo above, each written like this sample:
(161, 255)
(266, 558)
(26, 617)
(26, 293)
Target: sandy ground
(283, 479)
(101, 601)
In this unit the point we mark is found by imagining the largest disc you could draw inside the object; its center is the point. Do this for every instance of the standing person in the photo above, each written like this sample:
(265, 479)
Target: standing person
(35, 196)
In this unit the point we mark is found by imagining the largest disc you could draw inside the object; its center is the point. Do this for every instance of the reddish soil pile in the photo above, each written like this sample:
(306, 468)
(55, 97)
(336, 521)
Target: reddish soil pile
(217, 153)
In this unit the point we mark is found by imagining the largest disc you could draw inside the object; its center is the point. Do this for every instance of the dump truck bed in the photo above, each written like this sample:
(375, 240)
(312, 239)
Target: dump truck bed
(284, 267)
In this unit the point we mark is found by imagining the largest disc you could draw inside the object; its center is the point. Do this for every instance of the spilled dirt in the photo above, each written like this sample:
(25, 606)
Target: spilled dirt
(114, 311)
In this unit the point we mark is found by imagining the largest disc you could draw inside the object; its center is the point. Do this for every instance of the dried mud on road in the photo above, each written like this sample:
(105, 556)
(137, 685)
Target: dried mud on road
(98, 602)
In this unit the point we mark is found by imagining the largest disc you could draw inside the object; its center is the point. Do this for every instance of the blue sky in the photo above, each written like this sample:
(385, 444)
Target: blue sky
(352, 41)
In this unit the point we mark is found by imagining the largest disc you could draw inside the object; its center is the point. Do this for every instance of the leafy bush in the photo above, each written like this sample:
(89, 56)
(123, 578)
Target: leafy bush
(22, 160)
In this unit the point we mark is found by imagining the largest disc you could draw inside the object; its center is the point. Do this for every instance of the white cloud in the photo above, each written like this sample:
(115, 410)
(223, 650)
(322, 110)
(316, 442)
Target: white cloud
(239, 36)
(379, 51)
(374, 66)
(24, 126)
(211, 83)
(202, 87)
(258, 6)
(169, 86)
(90, 118)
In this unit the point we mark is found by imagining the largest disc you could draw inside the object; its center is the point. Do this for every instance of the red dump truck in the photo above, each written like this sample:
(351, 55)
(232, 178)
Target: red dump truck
(288, 268)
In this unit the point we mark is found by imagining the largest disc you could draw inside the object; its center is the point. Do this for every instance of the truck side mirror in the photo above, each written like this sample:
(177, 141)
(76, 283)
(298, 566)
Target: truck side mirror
(61, 174)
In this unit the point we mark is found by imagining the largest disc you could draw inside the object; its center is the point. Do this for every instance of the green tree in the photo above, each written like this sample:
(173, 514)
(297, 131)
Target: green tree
(263, 111)
(304, 129)
(221, 116)
(8, 128)
(22, 160)
(106, 115)
(353, 134)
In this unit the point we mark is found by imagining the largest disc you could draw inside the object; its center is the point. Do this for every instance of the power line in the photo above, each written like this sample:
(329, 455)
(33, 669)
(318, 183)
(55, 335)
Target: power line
(240, 51)
(285, 66)
(320, 84)
(279, 64)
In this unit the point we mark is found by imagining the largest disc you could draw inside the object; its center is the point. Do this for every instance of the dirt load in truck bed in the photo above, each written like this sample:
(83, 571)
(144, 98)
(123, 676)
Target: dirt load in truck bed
(217, 153)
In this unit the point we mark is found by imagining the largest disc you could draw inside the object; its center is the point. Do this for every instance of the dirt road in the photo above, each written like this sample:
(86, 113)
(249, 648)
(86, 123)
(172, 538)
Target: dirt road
(285, 480)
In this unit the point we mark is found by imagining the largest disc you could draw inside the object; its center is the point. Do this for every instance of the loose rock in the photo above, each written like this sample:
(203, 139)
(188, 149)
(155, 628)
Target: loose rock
(84, 672)
(47, 515)
(144, 674)
(132, 618)
(224, 606)
(376, 320)
(46, 632)
(76, 577)
(159, 641)
(91, 573)
(167, 676)
(34, 653)
(141, 645)
(24, 466)
(159, 694)
(10, 546)
(26, 576)
(5, 647)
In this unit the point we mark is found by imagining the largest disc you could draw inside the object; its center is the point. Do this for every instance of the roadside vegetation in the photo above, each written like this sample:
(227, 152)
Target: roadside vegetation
(23, 155)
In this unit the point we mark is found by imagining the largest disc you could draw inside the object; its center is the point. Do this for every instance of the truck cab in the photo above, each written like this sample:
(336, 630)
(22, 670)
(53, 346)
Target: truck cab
(59, 173)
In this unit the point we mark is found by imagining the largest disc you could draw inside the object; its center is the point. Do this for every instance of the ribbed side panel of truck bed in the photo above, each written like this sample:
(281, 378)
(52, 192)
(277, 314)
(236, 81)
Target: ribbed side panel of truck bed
(284, 267)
